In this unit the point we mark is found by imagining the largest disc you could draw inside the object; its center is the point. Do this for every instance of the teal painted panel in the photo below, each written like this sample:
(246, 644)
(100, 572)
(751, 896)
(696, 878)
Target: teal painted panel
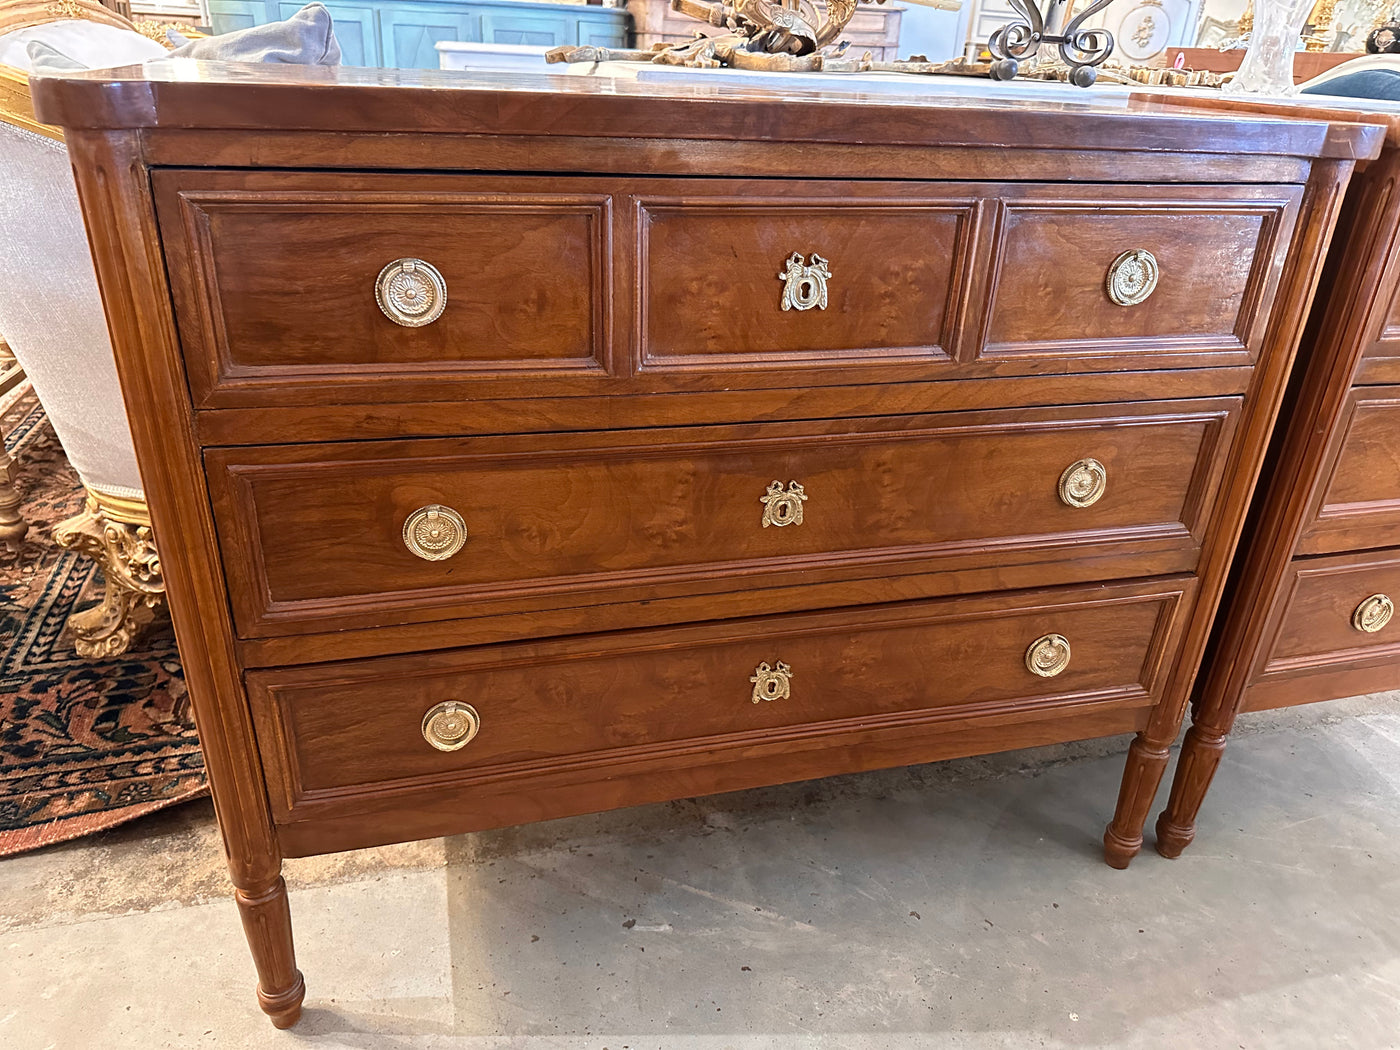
(604, 32)
(409, 33)
(356, 30)
(402, 35)
(225, 16)
(540, 28)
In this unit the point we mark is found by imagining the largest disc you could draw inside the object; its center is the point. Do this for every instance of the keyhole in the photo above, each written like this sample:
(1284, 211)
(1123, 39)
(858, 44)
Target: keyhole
(771, 688)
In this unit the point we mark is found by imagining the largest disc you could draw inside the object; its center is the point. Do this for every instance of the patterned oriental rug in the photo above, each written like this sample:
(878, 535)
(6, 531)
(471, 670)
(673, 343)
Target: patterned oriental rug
(84, 744)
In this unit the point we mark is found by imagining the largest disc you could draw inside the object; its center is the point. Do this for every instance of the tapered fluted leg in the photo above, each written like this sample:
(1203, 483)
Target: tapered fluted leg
(1147, 761)
(267, 922)
(1200, 757)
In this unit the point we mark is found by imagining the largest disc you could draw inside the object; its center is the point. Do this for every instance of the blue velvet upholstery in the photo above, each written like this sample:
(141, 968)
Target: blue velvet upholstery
(1364, 83)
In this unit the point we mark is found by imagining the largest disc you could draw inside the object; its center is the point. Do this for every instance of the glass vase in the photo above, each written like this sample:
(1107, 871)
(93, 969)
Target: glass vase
(1267, 68)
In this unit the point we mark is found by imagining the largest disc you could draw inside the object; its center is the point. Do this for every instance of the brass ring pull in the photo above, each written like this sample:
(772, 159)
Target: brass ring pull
(451, 726)
(1132, 277)
(434, 532)
(783, 508)
(804, 284)
(1373, 613)
(771, 683)
(1048, 655)
(1083, 483)
(411, 292)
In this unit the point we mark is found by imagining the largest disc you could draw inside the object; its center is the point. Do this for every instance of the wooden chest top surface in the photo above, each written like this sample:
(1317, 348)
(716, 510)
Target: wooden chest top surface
(183, 94)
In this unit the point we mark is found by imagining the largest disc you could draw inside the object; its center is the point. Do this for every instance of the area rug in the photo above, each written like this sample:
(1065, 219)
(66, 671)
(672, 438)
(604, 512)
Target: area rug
(84, 744)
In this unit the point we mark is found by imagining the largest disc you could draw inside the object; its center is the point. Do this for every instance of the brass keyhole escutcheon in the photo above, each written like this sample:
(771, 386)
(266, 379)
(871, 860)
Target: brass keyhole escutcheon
(1048, 655)
(1083, 482)
(771, 683)
(411, 292)
(1373, 613)
(781, 507)
(804, 283)
(434, 532)
(451, 725)
(1132, 277)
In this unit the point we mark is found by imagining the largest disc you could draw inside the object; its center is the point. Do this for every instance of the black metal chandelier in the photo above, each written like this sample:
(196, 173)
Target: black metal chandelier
(1082, 49)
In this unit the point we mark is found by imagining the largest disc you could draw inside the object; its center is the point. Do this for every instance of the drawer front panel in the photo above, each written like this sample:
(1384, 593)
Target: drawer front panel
(1358, 499)
(314, 535)
(1381, 360)
(584, 287)
(722, 281)
(277, 279)
(1216, 267)
(1337, 612)
(334, 732)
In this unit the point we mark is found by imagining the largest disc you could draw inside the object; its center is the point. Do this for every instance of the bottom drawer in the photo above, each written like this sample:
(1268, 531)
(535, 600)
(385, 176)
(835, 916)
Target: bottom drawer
(576, 710)
(1335, 620)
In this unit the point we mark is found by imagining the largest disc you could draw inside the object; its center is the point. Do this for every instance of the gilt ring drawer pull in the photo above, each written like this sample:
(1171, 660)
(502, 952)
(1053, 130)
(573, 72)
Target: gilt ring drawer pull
(411, 292)
(1373, 613)
(434, 532)
(449, 726)
(783, 508)
(804, 284)
(1083, 482)
(771, 683)
(1048, 655)
(1132, 277)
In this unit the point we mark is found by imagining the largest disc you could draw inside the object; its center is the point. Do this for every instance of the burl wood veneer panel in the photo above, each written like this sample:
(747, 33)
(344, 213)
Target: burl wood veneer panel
(1380, 361)
(276, 279)
(312, 535)
(1316, 629)
(710, 279)
(1219, 252)
(336, 735)
(1357, 503)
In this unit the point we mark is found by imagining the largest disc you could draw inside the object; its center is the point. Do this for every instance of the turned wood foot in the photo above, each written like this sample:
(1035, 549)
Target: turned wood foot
(117, 535)
(1122, 840)
(1200, 757)
(267, 923)
(13, 527)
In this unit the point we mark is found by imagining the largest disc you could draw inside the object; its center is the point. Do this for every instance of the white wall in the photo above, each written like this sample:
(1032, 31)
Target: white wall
(1225, 10)
(928, 31)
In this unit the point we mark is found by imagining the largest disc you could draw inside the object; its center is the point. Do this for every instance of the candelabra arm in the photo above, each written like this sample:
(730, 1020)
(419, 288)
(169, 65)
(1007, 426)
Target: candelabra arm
(1086, 47)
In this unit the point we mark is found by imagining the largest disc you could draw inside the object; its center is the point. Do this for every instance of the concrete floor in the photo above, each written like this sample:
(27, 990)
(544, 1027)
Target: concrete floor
(954, 905)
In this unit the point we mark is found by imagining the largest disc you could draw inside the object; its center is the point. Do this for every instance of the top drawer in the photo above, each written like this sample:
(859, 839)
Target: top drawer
(1108, 276)
(302, 289)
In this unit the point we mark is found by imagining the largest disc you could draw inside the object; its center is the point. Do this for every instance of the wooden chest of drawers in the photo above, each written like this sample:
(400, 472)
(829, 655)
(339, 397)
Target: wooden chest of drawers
(786, 435)
(1309, 613)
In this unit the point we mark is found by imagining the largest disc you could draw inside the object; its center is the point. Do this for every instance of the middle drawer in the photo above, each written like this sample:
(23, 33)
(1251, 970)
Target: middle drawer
(371, 534)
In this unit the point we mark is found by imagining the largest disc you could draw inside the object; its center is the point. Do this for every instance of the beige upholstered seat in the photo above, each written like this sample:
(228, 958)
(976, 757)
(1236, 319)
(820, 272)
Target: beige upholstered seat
(51, 316)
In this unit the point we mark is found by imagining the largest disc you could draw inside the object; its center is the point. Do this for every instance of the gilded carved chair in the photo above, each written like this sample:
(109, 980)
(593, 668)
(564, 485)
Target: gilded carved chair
(51, 316)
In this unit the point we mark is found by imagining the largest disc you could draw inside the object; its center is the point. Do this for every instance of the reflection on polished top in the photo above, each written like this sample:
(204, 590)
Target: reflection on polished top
(946, 111)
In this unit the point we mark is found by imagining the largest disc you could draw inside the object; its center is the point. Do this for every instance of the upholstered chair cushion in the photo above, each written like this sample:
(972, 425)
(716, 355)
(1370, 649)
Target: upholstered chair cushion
(45, 58)
(89, 45)
(1364, 83)
(51, 313)
(1371, 76)
(305, 39)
